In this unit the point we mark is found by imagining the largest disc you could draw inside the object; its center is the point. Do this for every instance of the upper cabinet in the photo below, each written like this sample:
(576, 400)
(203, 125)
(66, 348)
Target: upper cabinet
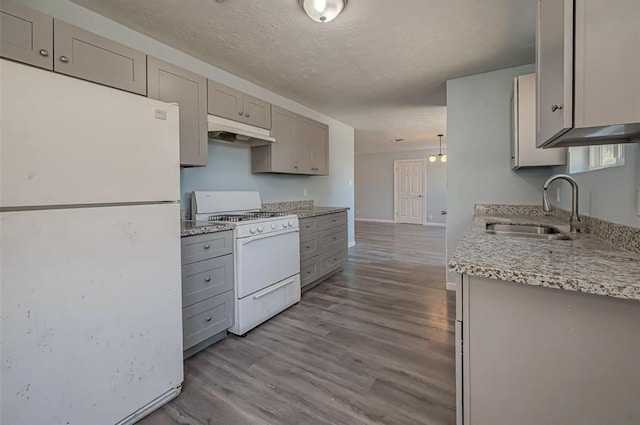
(170, 83)
(232, 104)
(86, 55)
(301, 146)
(588, 63)
(523, 129)
(26, 35)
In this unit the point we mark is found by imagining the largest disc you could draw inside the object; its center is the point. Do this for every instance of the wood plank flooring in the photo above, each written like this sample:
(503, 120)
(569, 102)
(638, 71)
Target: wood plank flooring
(372, 345)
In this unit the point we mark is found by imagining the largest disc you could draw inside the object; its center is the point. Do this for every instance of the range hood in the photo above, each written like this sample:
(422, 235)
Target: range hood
(237, 133)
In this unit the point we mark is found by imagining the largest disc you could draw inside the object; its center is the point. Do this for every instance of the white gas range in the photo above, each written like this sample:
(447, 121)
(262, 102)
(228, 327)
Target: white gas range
(266, 254)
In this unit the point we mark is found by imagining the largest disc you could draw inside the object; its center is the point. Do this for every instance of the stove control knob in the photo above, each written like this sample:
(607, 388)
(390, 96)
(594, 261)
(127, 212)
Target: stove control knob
(284, 225)
(290, 223)
(252, 230)
(274, 226)
(260, 229)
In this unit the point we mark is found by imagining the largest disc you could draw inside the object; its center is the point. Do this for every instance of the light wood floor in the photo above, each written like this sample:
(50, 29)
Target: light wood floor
(372, 345)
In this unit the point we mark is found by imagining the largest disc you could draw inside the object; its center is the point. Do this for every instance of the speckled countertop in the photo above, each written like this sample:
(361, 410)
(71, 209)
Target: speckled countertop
(316, 211)
(190, 228)
(585, 263)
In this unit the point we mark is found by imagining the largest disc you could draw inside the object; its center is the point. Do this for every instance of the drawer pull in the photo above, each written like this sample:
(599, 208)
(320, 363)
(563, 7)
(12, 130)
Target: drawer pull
(308, 271)
(64, 59)
(207, 246)
(308, 247)
(335, 238)
(208, 319)
(207, 279)
(44, 52)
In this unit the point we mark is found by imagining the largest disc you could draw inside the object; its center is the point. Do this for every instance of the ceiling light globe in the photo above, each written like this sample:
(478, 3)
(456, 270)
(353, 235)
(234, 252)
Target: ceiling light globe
(432, 158)
(443, 158)
(323, 10)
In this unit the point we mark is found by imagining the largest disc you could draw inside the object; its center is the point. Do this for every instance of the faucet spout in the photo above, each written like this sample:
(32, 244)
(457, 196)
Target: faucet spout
(575, 224)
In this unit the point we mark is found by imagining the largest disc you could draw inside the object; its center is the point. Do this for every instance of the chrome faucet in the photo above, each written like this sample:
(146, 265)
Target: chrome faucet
(574, 223)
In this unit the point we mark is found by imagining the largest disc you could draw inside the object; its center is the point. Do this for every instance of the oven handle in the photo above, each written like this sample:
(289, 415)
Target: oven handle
(275, 287)
(247, 241)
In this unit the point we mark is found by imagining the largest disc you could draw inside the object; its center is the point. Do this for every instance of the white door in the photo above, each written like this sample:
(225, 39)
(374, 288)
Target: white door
(410, 194)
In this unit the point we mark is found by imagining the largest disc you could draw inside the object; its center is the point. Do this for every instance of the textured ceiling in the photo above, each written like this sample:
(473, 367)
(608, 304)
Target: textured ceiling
(380, 67)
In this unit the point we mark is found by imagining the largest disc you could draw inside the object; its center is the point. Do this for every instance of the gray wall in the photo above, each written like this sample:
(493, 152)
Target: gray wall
(610, 193)
(478, 145)
(229, 167)
(374, 185)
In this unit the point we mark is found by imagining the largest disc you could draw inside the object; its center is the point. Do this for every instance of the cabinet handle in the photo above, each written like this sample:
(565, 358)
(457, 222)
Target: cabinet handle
(207, 279)
(555, 107)
(335, 238)
(44, 53)
(208, 319)
(246, 115)
(240, 113)
(207, 246)
(64, 59)
(308, 247)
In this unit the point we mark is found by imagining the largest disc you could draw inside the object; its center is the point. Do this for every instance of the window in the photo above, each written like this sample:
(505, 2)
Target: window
(589, 158)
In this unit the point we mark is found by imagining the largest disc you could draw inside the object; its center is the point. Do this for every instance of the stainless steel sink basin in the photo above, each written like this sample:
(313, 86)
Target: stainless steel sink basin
(524, 231)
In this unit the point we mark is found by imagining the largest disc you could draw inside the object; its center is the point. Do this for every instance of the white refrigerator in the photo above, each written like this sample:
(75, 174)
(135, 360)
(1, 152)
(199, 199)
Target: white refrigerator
(91, 327)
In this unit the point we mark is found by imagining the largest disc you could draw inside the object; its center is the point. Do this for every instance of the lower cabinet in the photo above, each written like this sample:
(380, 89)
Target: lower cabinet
(207, 290)
(323, 247)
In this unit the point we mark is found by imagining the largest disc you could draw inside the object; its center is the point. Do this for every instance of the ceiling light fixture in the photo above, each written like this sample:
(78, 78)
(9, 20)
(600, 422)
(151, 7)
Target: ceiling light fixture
(442, 156)
(323, 10)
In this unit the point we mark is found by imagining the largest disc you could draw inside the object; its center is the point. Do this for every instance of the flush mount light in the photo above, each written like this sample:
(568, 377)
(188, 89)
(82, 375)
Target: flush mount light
(442, 156)
(323, 10)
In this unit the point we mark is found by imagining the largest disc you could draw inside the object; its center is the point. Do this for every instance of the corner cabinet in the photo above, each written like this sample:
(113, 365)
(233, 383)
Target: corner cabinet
(235, 105)
(588, 62)
(26, 35)
(523, 128)
(170, 83)
(301, 147)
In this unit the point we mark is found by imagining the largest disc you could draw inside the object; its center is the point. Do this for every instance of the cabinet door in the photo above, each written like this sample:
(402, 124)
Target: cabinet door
(86, 55)
(26, 35)
(319, 149)
(225, 102)
(284, 152)
(303, 140)
(554, 61)
(257, 112)
(170, 83)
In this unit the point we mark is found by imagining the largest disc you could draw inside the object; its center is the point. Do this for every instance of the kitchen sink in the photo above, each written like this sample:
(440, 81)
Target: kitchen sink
(525, 231)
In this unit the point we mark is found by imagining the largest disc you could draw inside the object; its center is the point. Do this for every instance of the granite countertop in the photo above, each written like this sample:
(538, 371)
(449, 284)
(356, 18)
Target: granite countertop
(585, 263)
(190, 228)
(316, 211)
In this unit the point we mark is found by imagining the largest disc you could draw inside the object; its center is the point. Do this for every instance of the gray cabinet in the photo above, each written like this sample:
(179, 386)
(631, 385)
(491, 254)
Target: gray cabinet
(86, 55)
(170, 83)
(582, 98)
(26, 35)
(233, 104)
(523, 128)
(301, 147)
(323, 247)
(207, 289)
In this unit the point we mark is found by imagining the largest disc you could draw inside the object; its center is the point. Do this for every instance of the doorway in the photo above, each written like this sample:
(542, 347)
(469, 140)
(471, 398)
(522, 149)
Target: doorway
(410, 177)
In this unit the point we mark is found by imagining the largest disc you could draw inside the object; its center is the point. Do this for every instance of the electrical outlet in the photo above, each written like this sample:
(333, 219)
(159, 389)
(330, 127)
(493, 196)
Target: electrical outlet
(430, 216)
(305, 192)
(350, 183)
(557, 194)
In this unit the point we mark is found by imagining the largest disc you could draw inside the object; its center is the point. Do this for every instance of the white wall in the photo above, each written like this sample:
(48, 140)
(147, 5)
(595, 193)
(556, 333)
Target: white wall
(610, 193)
(479, 154)
(374, 184)
(229, 167)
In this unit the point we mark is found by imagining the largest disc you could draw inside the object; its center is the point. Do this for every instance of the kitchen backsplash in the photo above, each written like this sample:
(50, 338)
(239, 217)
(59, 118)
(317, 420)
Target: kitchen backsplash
(288, 205)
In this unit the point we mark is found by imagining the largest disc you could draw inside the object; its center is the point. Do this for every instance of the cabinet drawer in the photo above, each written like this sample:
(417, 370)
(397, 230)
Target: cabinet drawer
(308, 226)
(332, 220)
(332, 260)
(332, 238)
(309, 247)
(309, 271)
(204, 247)
(86, 55)
(206, 319)
(206, 279)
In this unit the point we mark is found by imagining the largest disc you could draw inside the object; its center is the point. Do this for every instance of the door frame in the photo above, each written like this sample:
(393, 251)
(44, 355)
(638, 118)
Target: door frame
(396, 162)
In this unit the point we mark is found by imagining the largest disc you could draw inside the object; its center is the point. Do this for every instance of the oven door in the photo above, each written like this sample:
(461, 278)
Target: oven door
(263, 260)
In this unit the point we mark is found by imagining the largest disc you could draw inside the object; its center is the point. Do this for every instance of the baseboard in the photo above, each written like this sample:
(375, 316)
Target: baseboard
(436, 224)
(352, 244)
(375, 220)
(451, 286)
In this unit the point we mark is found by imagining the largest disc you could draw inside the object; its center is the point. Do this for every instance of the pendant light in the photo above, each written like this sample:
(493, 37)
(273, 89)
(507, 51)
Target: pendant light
(442, 156)
(323, 10)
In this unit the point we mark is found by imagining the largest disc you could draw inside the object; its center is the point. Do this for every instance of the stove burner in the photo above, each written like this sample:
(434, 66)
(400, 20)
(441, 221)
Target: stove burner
(245, 217)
